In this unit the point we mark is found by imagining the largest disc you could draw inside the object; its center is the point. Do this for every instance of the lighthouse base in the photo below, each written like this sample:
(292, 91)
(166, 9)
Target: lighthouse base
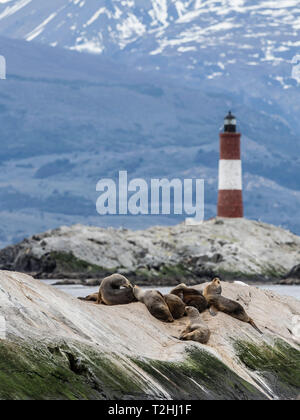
(230, 204)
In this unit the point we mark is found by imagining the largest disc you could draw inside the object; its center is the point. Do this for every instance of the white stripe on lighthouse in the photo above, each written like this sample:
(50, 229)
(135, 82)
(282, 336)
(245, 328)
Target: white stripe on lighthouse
(230, 174)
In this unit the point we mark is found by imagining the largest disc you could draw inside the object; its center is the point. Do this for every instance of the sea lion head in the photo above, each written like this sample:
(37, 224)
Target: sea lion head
(192, 312)
(120, 281)
(183, 285)
(216, 282)
(137, 292)
(126, 283)
(163, 313)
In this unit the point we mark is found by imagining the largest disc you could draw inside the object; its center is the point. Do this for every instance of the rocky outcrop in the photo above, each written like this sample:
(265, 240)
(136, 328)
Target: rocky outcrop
(53, 346)
(233, 249)
(293, 277)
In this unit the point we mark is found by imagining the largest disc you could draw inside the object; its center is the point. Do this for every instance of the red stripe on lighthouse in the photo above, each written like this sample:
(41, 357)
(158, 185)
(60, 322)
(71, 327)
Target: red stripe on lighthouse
(230, 199)
(230, 203)
(230, 146)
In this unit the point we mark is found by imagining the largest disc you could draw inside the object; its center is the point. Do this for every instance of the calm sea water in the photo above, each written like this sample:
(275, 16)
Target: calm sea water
(79, 290)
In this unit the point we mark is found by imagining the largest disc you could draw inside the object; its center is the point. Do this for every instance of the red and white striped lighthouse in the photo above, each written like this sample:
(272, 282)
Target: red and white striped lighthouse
(230, 199)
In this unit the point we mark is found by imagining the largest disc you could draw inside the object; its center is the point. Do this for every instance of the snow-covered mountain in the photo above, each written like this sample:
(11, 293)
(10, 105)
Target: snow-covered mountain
(250, 31)
(240, 46)
(160, 79)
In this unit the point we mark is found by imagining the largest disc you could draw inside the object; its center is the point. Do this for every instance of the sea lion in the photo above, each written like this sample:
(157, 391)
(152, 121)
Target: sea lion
(90, 298)
(115, 290)
(175, 305)
(154, 302)
(213, 292)
(191, 297)
(196, 330)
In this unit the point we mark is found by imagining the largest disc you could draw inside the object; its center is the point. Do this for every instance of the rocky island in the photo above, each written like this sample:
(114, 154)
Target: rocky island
(234, 249)
(54, 346)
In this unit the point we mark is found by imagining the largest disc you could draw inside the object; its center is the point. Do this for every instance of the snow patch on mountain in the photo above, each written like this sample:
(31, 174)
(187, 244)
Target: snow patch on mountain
(10, 10)
(40, 28)
(85, 26)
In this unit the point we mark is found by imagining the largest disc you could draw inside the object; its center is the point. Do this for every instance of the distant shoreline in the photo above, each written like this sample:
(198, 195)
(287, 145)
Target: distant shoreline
(160, 283)
(77, 290)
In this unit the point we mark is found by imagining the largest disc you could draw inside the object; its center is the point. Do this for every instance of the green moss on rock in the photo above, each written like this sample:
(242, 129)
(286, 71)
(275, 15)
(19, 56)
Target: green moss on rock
(68, 262)
(200, 376)
(165, 275)
(278, 365)
(78, 372)
(65, 264)
(59, 264)
(75, 371)
(38, 372)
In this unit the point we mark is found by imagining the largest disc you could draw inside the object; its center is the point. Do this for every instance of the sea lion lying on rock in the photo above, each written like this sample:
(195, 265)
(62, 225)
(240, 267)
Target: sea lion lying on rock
(155, 303)
(175, 305)
(196, 330)
(90, 298)
(115, 290)
(191, 297)
(212, 293)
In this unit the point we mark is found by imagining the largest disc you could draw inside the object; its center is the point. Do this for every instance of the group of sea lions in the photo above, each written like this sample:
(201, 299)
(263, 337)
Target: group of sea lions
(182, 300)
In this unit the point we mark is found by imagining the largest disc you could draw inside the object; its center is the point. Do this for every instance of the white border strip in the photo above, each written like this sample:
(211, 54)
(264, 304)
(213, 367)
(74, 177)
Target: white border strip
(2, 68)
(2, 328)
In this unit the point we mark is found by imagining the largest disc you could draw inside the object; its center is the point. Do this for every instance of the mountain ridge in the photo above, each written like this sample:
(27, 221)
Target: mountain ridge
(61, 107)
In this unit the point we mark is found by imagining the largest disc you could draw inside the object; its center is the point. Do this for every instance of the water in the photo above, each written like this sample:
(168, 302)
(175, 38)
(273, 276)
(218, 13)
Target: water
(284, 290)
(77, 290)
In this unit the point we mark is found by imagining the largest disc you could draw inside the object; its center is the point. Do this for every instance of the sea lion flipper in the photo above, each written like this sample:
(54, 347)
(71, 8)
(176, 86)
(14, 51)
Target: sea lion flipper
(99, 300)
(176, 338)
(251, 322)
(213, 311)
(183, 337)
(187, 330)
(90, 298)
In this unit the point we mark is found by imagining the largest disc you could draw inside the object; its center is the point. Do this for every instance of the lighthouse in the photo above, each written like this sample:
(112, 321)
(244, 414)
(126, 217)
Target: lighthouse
(230, 197)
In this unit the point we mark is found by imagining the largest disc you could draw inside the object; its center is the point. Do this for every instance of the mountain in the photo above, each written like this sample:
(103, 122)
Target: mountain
(200, 40)
(150, 101)
(244, 47)
(165, 28)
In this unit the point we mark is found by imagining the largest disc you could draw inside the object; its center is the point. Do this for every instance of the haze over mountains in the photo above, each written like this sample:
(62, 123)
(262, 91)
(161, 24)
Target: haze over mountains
(150, 99)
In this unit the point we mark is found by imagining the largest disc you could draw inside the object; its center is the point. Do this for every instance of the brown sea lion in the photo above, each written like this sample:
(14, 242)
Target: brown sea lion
(155, 303)
(213, 292)
(115, 290)
(90, 298)
(196, 330)
(175, 305)
(191, 297)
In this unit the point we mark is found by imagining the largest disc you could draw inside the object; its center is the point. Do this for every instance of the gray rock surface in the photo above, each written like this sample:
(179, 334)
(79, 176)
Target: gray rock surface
(238, 249)
(55, 346)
